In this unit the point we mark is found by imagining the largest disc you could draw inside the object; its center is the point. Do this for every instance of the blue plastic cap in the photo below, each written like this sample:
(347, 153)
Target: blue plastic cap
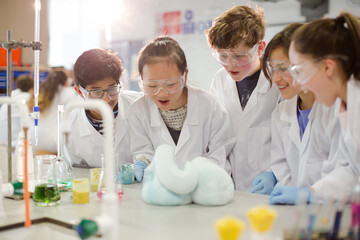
(36, 122)
(80, 229)
(36, 109)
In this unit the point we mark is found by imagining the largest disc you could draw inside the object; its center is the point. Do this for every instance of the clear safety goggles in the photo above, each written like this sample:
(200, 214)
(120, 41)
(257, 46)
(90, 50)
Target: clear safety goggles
(279, 67)
(304, 72)
(169, 86)
(239, 59)
(112, 92)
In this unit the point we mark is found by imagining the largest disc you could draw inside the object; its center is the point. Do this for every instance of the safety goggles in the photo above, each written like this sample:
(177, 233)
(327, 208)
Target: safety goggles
(304, 72)
(169, 86)
(239, 59)
(112, 92)
(279, 67)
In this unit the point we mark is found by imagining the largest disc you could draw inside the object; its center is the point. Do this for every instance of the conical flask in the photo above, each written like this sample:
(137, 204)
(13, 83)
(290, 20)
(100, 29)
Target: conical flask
(62, 167)
(46, 190)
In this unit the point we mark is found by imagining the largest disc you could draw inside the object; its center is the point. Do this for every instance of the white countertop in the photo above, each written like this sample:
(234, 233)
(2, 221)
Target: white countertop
(139, 220)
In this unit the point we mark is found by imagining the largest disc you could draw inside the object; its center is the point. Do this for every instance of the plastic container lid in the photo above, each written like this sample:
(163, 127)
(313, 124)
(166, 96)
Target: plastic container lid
(229, 227)
(261, 218)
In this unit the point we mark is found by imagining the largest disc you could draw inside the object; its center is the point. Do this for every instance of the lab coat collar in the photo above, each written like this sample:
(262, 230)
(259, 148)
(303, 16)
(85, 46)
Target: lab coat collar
(88, 131)
(288, 114)
(262, 86)
(308, 130)
(192, 116)
(84, 130)
(157, 121)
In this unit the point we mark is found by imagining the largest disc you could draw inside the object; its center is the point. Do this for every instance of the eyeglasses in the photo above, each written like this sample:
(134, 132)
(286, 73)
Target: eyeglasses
(239, 59)
(303, 72)
(112, 92)
(170, 85)
(281, 67)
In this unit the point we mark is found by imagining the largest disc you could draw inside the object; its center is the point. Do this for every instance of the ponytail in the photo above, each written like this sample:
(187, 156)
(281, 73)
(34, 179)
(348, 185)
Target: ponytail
(352, 23)
(335, 37)
(49, 88)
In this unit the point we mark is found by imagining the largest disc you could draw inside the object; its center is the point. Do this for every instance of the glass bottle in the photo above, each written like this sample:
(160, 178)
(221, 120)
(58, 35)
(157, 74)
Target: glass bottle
(46, 190)
(20, 160)
(118, 186)
(62, 166)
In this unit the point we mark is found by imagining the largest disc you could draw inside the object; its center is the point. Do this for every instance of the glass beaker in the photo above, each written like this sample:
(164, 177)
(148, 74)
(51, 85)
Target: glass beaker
(118, 186)
(127, 173)
(81, 190)
(46, 190)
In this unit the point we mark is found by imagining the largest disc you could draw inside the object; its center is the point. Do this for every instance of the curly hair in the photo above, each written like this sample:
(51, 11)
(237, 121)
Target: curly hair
(239, 23)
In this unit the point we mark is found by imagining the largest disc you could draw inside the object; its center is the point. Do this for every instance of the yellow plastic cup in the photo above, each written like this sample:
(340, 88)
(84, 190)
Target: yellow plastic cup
(94, 178)
(261, 218)
(229, 228)
(81, 190)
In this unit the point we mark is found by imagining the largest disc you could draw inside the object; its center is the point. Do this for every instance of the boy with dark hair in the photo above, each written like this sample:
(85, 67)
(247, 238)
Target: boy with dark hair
(97, 75)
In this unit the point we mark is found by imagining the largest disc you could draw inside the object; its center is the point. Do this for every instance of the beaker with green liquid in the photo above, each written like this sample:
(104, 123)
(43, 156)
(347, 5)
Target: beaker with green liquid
(46, 190)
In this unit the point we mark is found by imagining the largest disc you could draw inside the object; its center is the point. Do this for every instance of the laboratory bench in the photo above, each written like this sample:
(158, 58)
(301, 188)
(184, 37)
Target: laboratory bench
(138, 220)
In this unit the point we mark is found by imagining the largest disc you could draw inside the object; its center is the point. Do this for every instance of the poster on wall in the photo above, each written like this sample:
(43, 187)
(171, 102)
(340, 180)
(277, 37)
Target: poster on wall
(171, 22)
(181, 22)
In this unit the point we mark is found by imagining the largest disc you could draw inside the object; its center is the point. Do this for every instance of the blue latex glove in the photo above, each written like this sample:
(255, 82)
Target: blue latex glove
(139, 168)
(288, 195)
(263, 183)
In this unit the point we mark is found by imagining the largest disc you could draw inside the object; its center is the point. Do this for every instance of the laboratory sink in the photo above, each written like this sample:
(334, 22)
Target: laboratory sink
(43, 228)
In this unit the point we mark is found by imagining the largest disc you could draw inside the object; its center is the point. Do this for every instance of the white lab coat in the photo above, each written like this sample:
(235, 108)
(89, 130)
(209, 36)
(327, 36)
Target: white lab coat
(86, 143)
(340, 183)
(350, 121)
(15, 118)
(301, 163)
(251, 153)
(206, 131)
(47, 129)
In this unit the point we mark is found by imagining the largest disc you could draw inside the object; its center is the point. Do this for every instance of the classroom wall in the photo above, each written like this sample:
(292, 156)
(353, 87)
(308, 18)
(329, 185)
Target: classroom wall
(125, 25)
(140, 20)
(19, 16)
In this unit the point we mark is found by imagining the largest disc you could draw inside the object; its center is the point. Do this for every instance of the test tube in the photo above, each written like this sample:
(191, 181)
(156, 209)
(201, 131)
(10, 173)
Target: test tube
(314, 209)
(337, 221)
(300, 207)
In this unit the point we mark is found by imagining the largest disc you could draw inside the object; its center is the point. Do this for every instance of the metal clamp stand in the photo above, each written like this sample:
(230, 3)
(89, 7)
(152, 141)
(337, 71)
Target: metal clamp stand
(10, 45)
